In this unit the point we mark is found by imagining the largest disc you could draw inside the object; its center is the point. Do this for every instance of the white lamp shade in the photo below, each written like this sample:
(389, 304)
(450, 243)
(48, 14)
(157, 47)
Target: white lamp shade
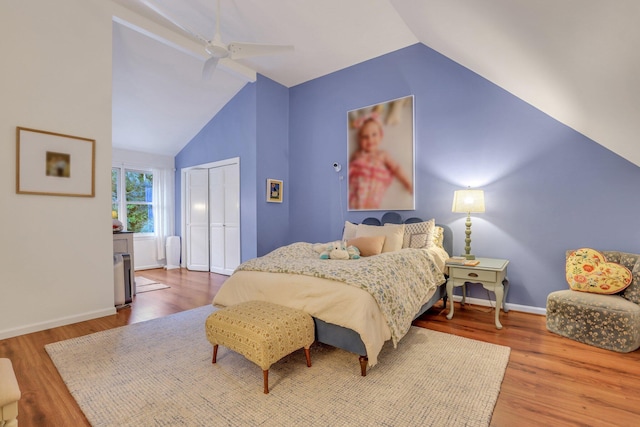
(468, 201)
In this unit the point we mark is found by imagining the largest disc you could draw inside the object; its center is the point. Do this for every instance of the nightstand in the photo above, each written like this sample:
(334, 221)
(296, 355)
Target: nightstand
(491, 273)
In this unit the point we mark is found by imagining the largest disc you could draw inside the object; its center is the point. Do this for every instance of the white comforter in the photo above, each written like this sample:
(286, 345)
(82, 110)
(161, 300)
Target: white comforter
(330, 299)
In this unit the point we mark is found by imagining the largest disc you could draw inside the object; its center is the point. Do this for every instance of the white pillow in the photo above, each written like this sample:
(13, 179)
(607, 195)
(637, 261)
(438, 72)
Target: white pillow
(418, 235)
(393, 233)
(349, 231)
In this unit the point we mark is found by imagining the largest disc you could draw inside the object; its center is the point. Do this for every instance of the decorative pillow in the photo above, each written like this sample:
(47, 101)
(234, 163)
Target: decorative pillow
(437, 237)
(367, 246)
(418, 234)
(416, 241)
(393, 235)
(587, 270)
(349, 231)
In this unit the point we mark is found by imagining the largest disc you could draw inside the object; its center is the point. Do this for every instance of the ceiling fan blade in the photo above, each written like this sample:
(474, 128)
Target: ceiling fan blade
(237, 69)
(209, 67)
(245, 50)
(168, 17)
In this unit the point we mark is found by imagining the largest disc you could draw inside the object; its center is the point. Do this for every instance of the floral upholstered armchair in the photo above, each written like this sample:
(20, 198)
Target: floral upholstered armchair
(602, 308)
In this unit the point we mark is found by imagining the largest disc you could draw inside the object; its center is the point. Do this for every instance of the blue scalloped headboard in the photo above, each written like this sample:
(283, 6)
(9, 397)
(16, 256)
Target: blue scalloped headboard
(396, 218)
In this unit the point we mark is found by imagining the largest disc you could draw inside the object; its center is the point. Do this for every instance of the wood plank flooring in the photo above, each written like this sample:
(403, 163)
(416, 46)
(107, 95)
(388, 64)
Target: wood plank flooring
(550, 380)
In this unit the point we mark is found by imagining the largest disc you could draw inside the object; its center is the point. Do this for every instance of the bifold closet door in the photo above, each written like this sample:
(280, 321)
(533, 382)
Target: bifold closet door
(197, 219)
(224, 218)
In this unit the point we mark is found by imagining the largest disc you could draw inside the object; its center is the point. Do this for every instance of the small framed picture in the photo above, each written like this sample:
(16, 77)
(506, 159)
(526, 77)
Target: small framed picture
(274, 190)
(54, 164)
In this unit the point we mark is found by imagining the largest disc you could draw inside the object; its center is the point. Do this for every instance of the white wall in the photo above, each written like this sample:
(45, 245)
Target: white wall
(145, 247)
(56, 257)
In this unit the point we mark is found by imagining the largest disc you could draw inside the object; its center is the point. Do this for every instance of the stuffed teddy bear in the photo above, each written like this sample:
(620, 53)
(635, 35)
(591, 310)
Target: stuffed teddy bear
(336, 250)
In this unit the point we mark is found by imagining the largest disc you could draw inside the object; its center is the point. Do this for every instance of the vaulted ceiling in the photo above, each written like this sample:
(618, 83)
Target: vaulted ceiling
(576, 60)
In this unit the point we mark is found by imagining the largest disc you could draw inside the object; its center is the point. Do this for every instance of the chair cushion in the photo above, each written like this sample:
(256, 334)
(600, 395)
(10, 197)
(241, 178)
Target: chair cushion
(632, 262)
(587, 270)
(606, 321)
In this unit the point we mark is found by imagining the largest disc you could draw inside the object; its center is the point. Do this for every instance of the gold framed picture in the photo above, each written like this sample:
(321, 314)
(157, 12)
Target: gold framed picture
(54, 164)
(274, 190)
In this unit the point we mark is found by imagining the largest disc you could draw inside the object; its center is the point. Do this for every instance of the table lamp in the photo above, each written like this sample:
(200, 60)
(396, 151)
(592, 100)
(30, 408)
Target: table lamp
(468, 201)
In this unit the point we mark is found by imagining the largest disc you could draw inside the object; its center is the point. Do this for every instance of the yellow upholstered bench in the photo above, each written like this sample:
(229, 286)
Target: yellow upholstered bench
(262, 332)
(9, 395)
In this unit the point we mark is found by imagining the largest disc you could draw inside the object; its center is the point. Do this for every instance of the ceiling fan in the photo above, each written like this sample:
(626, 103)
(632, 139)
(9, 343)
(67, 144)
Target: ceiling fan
(215, 47)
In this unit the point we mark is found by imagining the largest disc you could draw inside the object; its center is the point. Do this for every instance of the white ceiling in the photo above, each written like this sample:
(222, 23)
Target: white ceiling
(576, 60)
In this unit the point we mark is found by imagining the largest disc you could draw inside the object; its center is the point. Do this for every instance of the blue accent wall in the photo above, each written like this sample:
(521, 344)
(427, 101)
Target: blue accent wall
(254, 126)
(231, 133)
(273, 162)
(547, 187)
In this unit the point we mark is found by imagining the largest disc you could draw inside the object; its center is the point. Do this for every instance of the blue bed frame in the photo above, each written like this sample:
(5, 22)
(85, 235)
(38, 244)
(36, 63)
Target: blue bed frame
(348, 339)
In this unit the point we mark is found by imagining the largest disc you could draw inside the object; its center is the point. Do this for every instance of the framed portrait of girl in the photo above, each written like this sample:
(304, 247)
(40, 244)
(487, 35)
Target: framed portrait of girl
(381, 156)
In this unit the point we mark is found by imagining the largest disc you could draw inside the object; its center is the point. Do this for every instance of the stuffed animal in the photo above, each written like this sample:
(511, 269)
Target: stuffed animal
(354, 253)
(339, 250)
(323, 249)
(336, 250)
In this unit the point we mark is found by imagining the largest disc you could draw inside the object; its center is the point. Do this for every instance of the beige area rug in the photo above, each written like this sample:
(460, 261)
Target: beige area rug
(159, 372)
(147, 285)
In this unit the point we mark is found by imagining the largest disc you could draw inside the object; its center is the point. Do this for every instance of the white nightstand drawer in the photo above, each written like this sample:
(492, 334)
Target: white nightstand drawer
(471, 275)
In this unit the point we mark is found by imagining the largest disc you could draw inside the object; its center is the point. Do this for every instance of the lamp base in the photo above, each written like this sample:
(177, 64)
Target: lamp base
(469, 256)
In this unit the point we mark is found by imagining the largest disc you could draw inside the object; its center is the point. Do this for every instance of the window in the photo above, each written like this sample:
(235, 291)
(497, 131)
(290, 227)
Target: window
(133, 202)
(115, 198)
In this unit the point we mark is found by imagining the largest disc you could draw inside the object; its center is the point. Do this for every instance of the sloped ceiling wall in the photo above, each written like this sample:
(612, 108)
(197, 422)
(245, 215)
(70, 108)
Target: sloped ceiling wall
(575, 60)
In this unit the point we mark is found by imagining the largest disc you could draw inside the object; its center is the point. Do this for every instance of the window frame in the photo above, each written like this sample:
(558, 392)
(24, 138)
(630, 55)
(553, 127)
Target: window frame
(121, 195)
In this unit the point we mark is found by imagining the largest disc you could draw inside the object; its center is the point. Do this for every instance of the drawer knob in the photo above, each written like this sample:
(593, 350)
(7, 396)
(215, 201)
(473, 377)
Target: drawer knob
(473, 274)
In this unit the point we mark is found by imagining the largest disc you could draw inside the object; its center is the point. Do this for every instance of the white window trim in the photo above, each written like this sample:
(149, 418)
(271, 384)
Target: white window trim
(122, 202)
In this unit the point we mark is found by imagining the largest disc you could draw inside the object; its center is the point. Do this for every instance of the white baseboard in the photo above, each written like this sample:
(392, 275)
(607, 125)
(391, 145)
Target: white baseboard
(515, 307)
(149, 267)
(62, 321)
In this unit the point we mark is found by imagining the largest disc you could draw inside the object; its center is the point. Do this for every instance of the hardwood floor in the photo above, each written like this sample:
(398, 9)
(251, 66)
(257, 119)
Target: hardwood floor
(550, 380)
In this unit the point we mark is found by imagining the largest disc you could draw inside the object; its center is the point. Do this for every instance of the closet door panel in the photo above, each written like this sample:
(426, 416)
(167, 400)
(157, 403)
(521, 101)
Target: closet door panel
(217, 195)
(197, 221)
(232, 195)
(232, 249)
(232, 217)
(217, 199)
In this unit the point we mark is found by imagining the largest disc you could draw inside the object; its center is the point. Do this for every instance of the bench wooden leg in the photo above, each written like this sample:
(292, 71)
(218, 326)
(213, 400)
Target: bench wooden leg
(364, 360)
(215, 353)
(307, 354)
(265, 375)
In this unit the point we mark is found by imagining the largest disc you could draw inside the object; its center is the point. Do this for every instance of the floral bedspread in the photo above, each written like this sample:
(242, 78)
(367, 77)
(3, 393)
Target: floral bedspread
(399, 281)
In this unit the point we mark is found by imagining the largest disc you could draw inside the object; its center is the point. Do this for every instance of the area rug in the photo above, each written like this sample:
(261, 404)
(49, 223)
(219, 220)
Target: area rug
(147, 285)
(159, 372)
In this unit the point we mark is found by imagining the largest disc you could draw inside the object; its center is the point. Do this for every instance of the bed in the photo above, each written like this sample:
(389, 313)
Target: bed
(357, 304)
